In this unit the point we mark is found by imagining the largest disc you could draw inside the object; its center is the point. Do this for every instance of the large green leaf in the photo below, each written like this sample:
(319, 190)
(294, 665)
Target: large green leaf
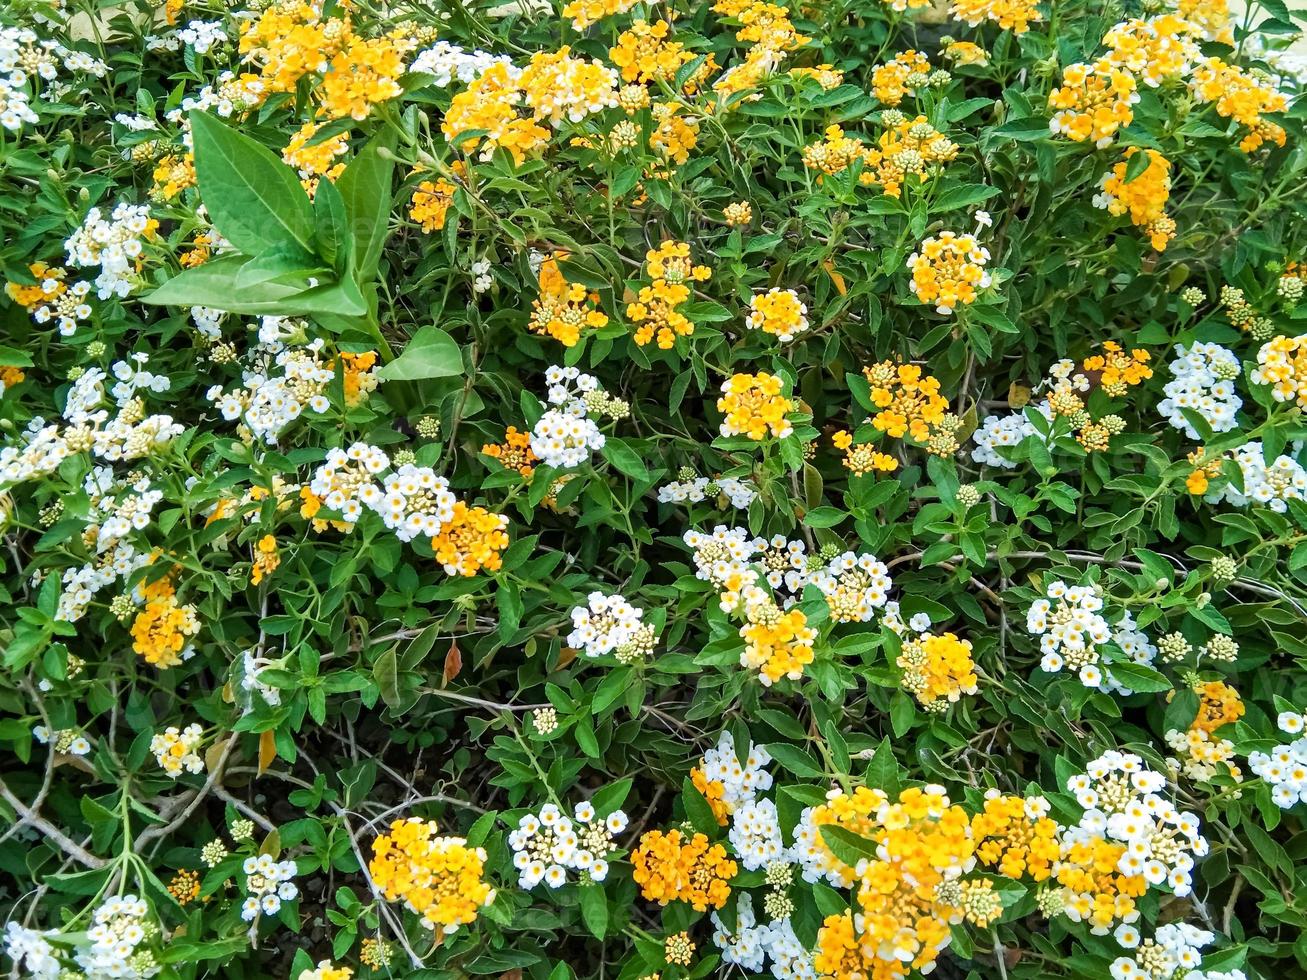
(365, 189)
(335, 239)
(213, 284)
(254, 200)
(431, 353)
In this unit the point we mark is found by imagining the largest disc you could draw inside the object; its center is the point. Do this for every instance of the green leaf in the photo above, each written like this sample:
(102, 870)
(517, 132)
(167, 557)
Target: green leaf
(795, 760)
(331, 231)
(962, 197)
(1139, 677)
(254, 200)
(14, 358)
(594, 910)
(365, 189)
(846, 845)
(697, 809)
(431, 353)
(624, 458)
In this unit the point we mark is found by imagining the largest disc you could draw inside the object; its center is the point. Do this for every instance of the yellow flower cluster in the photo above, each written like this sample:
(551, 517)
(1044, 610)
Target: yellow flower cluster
(1212, 17)
(266, 559)
(290, 40)
(1118, 371)
(172, 175)
(737, 214)
(909, 402)
(854, 812)
(471, 540)
(490, 103)
(865, 458)
(586, 12)
(827, 76)
(558, 87)
(49, 286)
(313, 162)
(754, 406)
(184, 887)
(1096, 891)
(670, 868)
(364, 74)
(776, 644)
(10, 376)
(947, 269)
(964, 53)
(1204, 471)
(357, 375)
(438, 878)
(899, 77)
(1219, 704)
(778, 312)
(906, 148)
(514, 452)
(430, 204)
(326, 971)
(937, 670)
(909, 893)
(162, 630)
(177, 750)
(1015, 835)
(563, 308)
(675, 135)
(655, 309)
(1282, 363)
(1200, 755)
(714, 791)
(1093, 102)
(1010, 15)
(1156, 50)
(1144, 197)
(644, 54)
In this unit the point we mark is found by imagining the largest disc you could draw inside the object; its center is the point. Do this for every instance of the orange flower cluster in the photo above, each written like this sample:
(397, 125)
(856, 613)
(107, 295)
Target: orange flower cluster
(644, 54)
(514, 452)
(1238, 96)
(937, 670)
(1015, 835)
(49, 286)
(162, 630)
(1144, 197)
(909, 402)
(670, 868)
(563, 308)
(1097, 892)
(675, 134)
(900, 77)
(471, 540)
(947, 270)
(266, 559)
(714, 791)
(490, 103)
(1093, 102)
(1204, 471)
(655, 309)
(357, 375)
(438, 878)
(1219, 704)
(364, 74)
(314, 162)
(290, 40)
(172, 175)
(1119, 371)
(430, 203)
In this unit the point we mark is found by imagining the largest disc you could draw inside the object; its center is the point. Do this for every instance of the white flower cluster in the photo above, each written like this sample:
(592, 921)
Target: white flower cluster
(791, 960)
(202, 35)
(39, 452)
(481, 278)
(449, 63)
(1272, 485)
(120, 928)
(31, 951)
(1123, 804)
(997, 431)
(741, 780)
(1202, 380)
(604, 624)
(1070, 630)
(811, 854)
(1174, 950)
(1285, 767)
(739, 493)
(566, 436)
(67, 308)
(267, 884)
(855, 586)
(129, 435)
(230, 94)
(547, 844)
(755, 834)
(251, 665)
(65, 741)
(24, 57)
(112, 245)
(345, 484)
(80, 584)
(177, 750)
(746, 947)
(416, 502)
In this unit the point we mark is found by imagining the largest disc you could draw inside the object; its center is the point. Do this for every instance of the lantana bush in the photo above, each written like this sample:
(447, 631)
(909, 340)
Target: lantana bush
(605, 490)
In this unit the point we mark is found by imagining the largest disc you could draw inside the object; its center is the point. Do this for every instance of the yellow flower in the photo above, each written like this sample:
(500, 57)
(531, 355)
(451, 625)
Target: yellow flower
(1093, 102)
(471, 541)
(563, 309)
(947, 270)
(162, 630)
(172, 175)
(675, 135)
(754, 406)
(1014, 835)
(670, 868)
(644, 54)
(937, 670)
(364, 74)
(586, 12)
(655, 309)
(490, 103)
(776, 644)
(514, 452)
(314, 162)
(266, 559)
(863, 459)
(737, 214)
(1282, 363)
(896, 79)
(326, 971)
(1237, 95)
(1010, 15)
(778, 312)
(438, 878)
(1143, 198)
(430, 204)
(965, 53)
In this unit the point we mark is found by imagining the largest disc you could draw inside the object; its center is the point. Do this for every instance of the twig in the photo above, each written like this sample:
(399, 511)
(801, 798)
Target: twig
(56, 836)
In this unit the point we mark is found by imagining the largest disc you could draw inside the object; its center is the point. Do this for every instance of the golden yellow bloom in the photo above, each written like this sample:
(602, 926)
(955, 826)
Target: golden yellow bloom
(1282, 363)
(49, 286)
(1219, 704)
(737, 214)
(1014, 835)
(266, 559)
(586, 12)
(865, 458)
(714, 792)
(201, 251)
(1116, 370)
(185, 886)
(1154, 50)
(896, 79)
(490, 103)
(1212, 17)
(754, 406)
(655, 309)
(514, 452)
(1204, 471)
(558, 87)
(10, 376)
(675, 135)
(471, 541)
(777, 644)
(947, 270)
(290, 40)
(430, 204)
(314, 162)
(162, 630)
(563, 309)
(1010, 15)
(326, 971)
(1143, 198)
(358, 377)
(438, 878)
(364, 74)
(172, 175)
(1093, 102)
(778, 312)
(965, 53)
(1094, 890)
(827, 76)
(670, 868)
(937, 670)
(909, 402)
(644, 54)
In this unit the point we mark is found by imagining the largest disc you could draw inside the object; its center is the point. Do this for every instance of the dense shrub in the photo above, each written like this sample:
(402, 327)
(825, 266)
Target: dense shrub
(643, 491)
